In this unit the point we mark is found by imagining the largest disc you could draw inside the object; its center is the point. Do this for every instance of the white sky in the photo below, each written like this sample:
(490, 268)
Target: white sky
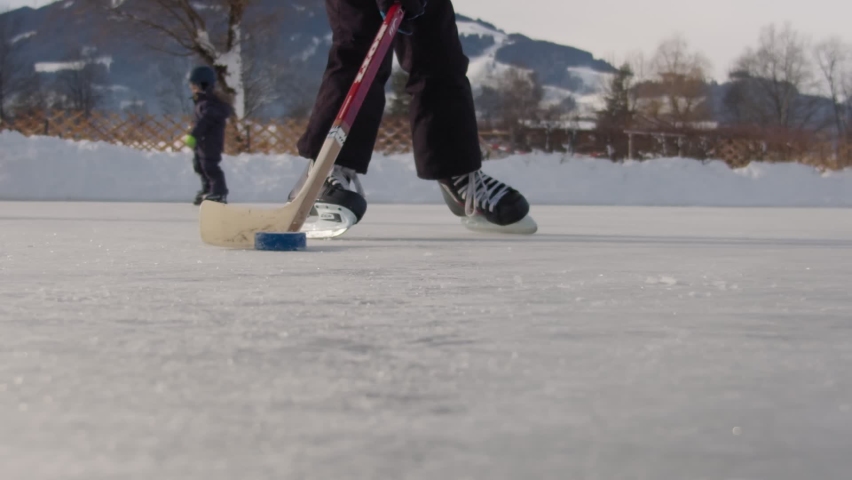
(612, 28)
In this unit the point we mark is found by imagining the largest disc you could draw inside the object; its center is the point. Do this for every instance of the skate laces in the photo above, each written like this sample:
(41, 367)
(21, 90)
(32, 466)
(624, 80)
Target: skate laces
(481, 191)
(342, 177)
(345, 178)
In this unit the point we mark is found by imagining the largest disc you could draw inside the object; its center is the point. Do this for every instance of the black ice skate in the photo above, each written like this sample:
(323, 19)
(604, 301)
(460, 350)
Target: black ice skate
(486, 204)
(339, 206)
(216, 197)
(199, 197)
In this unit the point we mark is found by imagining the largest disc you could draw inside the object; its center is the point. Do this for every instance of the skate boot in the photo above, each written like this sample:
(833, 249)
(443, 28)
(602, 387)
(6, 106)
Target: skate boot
(205, 189)
(339, 206)
(199, 197)
(216, 197)
(486, 204)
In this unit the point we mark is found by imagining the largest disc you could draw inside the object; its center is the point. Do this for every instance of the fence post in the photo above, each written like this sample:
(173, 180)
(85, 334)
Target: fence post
(46, 126)
(630, 146)
(572, 142)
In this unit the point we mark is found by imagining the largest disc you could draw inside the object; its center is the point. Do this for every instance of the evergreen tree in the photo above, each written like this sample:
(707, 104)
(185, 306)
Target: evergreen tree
(619, 111)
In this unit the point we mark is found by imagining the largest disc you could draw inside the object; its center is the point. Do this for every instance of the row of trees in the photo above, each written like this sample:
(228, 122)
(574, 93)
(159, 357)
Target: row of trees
(222, 34)
(79, 83)
(211, 30)
(785, 82)
(215, 32)
(78, 87)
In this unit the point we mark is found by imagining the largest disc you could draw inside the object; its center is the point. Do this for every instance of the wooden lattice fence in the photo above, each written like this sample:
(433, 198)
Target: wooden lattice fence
(143, 132)
(164, 134)
(737, 149)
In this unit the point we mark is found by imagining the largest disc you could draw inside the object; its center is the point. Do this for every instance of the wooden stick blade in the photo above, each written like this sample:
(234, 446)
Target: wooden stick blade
(234, 226)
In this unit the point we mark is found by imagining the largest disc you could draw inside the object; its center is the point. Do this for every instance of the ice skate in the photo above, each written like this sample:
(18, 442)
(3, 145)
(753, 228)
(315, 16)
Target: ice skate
(340, 204)
(199, 197)
(216, 197)
(486, 204)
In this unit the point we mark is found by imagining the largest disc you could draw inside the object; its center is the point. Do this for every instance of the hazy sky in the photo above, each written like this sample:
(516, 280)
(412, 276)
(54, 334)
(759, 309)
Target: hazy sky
(612, 28)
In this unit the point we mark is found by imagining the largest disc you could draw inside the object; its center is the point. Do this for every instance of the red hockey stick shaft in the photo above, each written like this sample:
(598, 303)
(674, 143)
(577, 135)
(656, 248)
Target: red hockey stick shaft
(346, 116)
(367, 73)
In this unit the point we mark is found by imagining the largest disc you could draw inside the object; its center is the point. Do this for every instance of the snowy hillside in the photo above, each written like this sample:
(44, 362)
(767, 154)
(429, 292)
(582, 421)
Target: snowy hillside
(565, 72)
(52, 169)
(484, 66)
(51, 39)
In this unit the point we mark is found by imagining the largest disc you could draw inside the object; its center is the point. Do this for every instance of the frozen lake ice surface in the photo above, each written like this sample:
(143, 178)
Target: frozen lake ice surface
(617, 343)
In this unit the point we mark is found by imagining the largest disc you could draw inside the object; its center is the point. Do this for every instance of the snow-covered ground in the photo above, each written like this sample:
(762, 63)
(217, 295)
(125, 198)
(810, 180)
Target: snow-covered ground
(53, 169)
(618, 343)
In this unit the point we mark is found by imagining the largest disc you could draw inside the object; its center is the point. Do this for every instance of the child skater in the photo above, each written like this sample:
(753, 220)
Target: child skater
(207, 138)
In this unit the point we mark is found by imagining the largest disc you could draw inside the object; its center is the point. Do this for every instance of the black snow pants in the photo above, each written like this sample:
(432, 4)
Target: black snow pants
(443, 120)
(211, 174)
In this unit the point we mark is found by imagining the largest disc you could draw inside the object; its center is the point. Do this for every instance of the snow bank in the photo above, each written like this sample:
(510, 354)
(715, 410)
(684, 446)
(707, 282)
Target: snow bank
(41, 168)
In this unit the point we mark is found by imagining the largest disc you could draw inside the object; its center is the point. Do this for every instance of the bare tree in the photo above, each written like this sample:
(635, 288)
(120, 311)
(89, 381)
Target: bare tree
(13, 71)
(846, 88)
(640, 66)
(299, 95)
(488, 105)
(676, 91)
(558, 111)
(512, 102)
(834, 58)
(33, 97)
(212, 30)
(172, 91)
(770, 82)
(282, 82)
(261, 84)
(81, 83)
(521, 94)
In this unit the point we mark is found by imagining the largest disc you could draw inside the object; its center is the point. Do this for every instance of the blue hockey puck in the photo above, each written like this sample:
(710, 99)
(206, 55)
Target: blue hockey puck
(280, 242)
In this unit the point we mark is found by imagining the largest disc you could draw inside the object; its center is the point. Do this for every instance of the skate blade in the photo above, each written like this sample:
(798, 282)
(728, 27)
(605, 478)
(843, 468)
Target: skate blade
(328, 221)
(478, 223)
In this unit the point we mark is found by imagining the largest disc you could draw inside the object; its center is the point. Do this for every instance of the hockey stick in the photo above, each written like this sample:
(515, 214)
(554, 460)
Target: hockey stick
(235, 226)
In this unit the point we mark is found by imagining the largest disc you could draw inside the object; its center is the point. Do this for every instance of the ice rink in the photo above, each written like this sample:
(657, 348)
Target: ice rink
(618, 343)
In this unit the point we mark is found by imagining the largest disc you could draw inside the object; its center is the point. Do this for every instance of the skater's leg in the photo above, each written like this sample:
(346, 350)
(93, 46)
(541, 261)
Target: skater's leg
(199, 170)
(205, 184)
(444, 129)
(443, 118)
(216, 177)
(354, 24)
